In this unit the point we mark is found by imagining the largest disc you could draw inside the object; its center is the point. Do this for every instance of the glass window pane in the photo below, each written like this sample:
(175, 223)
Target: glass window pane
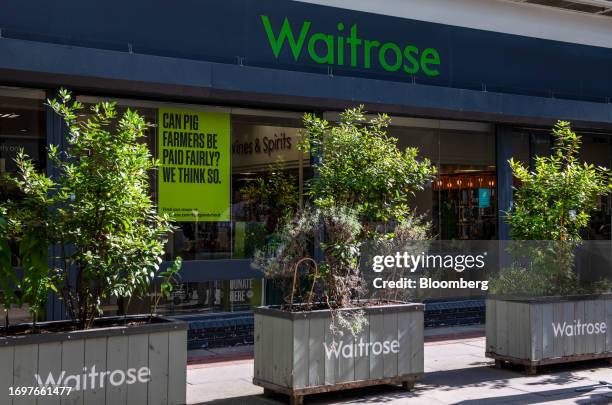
(22, 127)
(597, 150)
(461, 202)
(268, 175)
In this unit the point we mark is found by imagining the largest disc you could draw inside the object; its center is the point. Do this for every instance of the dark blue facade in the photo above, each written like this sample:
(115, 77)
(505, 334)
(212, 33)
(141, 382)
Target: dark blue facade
(231, 32)
(218, 51)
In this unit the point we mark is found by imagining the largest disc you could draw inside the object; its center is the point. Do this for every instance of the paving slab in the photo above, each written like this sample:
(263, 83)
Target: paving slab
(457, 372)
(241, 352)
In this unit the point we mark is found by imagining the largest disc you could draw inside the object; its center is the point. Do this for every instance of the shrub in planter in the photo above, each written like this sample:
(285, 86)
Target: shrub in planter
(540, 294)
(106, 241)
(328, 335)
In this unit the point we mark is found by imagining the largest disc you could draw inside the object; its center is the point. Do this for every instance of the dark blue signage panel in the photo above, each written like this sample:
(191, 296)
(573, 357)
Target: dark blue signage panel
(298, 36)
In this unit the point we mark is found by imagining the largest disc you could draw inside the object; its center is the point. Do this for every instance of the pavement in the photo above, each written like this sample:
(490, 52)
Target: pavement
(456, 372)
(244, 352)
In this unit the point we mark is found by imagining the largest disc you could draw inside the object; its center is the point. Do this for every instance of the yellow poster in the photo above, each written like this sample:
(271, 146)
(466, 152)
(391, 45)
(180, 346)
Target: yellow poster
(194, 165)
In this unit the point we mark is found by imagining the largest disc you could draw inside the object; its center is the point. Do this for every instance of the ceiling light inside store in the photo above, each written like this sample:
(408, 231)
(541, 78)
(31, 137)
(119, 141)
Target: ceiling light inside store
(8, 115)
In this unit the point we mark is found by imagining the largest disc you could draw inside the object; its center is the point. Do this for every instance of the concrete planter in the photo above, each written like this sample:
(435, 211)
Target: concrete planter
(548, 330)
(142, 364)
(294, 353)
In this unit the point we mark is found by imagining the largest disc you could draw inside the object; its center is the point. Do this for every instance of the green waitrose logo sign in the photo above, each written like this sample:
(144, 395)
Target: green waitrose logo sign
(346, 48)
(194, 160)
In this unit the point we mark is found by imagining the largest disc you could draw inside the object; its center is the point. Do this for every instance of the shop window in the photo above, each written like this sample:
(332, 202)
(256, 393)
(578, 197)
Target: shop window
(22, 127)
(461, 203)
(267, 183)
(218, 295)
(540, 144)
(520, 147)
(597, 150)
(465, 201)
(264, 160)
(267, 174)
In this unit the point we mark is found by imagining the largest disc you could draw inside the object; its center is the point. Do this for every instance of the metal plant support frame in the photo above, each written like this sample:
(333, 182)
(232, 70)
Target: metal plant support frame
(295, 278)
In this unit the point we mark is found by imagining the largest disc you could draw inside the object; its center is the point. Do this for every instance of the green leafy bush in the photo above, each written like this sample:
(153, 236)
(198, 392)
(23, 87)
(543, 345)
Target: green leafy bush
(553, 203)
(95, 211)
(361, 187)
(362, 168)
(556, 200)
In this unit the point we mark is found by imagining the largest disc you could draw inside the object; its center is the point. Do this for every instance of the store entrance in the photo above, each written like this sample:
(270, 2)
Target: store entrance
(461, 204)
(464, 204)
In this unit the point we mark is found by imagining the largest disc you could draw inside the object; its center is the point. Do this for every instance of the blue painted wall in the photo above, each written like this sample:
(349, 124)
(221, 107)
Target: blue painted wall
(223, 30)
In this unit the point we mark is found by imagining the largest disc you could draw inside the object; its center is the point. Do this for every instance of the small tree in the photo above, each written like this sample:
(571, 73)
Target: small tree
(553, 203)
(361, 179)
(361, 166)
(97, 210)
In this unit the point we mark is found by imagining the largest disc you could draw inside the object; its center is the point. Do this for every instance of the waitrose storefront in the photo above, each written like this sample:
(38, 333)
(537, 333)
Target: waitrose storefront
(226, 84)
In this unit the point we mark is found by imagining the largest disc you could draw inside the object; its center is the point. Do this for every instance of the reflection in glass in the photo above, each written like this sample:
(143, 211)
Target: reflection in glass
(462, 201)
